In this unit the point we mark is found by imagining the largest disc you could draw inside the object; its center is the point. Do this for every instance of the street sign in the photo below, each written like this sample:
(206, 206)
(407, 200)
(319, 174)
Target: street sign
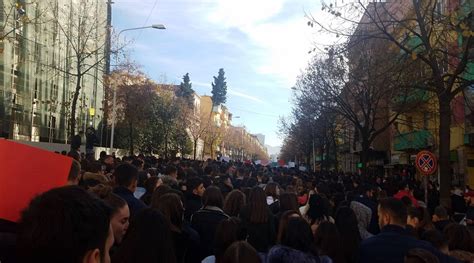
(426, 162)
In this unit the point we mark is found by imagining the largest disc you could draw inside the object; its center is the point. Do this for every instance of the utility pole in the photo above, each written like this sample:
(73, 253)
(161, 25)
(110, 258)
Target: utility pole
(108, 49)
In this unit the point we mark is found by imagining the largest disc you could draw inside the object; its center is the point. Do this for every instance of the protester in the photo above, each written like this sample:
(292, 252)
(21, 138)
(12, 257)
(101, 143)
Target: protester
(328, 242)
(194, 192)
(74, 173)
(241, 252)
(228, 231)
(318, 211)
(259, 221)
(441, 218)
(347, 226)
(150, 186)
(126, 176)
(284, 223)
(149, 239)
(206, 219)
(418, 220)
(272, 191)
(234, 202)
(460, 242)
(418, 255)
(65, 224)
(363, 215)
(394, 241)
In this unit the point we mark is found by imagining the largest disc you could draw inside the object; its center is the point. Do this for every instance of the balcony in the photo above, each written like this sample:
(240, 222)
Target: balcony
(414, 140)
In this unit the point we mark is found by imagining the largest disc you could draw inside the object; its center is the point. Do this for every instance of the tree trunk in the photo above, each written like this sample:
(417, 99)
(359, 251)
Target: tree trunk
(166, 145)
(195, 148)
(72, 121)
(130, 134)
(364, 156)
(444, 145)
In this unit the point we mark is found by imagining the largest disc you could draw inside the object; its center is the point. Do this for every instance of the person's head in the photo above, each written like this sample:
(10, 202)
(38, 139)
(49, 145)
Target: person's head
(120, 212)
(213, 197)
(368, 190)
(239, 252)
(437, 239)
(469, 197)
(152, 183)
(273, 190)
(418, 217)
(139, 164)
(298, 235)
(440, 213)
(126, 175)
(288, 201)
(195, 185)
(285, 217)
(257, 203)
(392, 211)
(234, 201)
(148, 239)
(459, 237)
(75, 155)
(65, 224)
(419, 255)
(74, 172)
(171, 171)
(328, 240)
(228, 231)
(318, 208)
(346, 222)
(171, 207)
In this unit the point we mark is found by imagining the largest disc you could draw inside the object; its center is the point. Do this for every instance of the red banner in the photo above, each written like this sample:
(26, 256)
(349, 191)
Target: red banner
(26, 171)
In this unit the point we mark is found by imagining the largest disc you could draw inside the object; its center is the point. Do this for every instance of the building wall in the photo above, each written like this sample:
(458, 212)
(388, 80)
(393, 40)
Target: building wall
(35, 91)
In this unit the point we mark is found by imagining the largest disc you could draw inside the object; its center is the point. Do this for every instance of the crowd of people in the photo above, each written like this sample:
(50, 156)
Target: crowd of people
(144, 209)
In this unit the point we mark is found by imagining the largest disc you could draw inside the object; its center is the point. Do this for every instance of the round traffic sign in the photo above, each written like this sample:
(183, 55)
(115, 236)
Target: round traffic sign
(426, 162)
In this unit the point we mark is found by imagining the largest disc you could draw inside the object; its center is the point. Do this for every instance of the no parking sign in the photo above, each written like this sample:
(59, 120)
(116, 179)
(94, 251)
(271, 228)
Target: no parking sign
(426, 162)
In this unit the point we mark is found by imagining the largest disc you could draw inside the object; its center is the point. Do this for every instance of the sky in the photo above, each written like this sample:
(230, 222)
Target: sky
(261, 44)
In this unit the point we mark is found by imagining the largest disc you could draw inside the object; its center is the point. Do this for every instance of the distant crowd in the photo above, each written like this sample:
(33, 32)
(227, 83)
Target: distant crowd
(144, 209)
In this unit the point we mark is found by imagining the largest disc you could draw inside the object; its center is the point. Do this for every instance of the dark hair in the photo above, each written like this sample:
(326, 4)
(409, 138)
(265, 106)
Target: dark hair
(137, 163)
(171, 207)
(347, 225)
(234, 202)
(65, 222)
(148, 239)
(288, 201)
(193, 183)
(239, 252)
(318, 208)
(228, 231)
(459, 237)
(257, 203)
(150, 184)
(75, 171)
(170, 169)
(441, 212)
(328, 241)
(213, 197)
(285, 217)
(396, 208)
(105, 193)
(159, 192)
(271, 190)
(298, 235)
(125, 174)
(74, 155)
(419, 255)
(436, 238)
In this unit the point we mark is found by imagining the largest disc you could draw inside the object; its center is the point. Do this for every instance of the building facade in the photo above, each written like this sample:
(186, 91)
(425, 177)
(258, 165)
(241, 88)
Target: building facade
(41, 54)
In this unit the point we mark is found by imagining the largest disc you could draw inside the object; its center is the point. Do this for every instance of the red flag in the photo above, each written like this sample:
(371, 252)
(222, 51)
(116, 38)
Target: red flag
(25, 172)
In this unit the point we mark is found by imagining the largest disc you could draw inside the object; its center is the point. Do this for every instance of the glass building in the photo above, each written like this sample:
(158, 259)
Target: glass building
(43, 46)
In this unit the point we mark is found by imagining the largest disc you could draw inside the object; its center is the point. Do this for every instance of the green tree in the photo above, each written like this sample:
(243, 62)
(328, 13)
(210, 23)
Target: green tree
(186, 91)
(219, 89)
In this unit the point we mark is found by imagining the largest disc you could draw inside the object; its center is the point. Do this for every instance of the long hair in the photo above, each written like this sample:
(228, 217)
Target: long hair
(228, 231)
(241, 251)
(328, 241)
(271, 189)
(171, 207)
(148, 239)
(346, 223)
(258, 206)
(285, 217)
(213, 197)
(288, 201)
(298, 235)
(234, 202)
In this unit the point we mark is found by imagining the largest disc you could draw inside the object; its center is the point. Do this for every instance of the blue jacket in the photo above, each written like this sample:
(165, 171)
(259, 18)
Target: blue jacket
(391, 246)
(134, 204)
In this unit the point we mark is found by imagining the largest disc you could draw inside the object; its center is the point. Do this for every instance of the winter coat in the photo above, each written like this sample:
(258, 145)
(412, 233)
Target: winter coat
(391, 246)
(403, 193)
(373, 227)
(193, 204)
(135, 205)
(205, 222)
(284, 254)
(260, 235)
(364, 215)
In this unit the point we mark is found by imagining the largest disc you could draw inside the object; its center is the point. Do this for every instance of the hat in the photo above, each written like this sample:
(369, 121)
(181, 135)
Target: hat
(469, 193)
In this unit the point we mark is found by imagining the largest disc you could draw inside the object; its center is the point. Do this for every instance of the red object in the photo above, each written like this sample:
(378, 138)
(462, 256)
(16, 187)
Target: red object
(426, 162)
(26, 172)
(403, 193)
(469, 193)
(302, 199)
(281, 162)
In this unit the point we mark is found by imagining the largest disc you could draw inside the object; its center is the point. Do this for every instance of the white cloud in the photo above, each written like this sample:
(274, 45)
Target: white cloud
(245, 96)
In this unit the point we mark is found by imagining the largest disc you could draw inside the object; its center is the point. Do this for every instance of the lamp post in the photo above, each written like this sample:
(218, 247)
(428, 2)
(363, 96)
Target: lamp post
(114, 110)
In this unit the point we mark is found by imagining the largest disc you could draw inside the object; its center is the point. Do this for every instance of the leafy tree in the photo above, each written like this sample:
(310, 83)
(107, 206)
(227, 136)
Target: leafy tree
(219, 89)
(186, 91)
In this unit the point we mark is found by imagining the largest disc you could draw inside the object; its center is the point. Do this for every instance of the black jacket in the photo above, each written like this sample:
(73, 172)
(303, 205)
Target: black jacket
(391, 246)
(261, 236)
(193, 204)
(135, 205)
(205, 222)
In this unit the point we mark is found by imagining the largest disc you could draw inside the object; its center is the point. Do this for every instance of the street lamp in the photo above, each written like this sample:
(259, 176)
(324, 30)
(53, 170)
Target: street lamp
(114, 113)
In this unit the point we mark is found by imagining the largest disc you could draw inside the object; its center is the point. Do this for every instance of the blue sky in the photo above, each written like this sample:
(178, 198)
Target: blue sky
(261, 44)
